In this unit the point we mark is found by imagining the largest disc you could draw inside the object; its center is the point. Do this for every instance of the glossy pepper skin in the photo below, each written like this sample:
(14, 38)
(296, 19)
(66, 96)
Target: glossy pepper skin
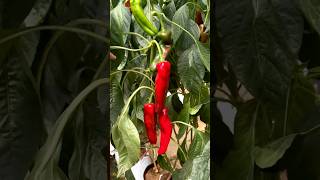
(166, 130)
(150, 122)
(142, 20)
(164, 36)
(161, 84)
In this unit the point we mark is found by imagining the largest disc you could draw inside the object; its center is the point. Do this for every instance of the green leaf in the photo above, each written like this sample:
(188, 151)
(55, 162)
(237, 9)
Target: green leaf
(129, 175)
(52, 171)
(191, 70)
(95, 164)
(201, 165)
(194, 110)
(300, 103)
(182, 152)
(257, 44)
(59, 74)
(28, 46)
(116, 100)
(269, 154)
(181, 39)
(21, 120)
(204, 113)
(184, 116)
(199, 168)
(196, 145)
(183, 173)
(204, 54)
(244, 141)
(169, 104)
(170, 9)
(75, 171)
(126, 139)
(180, 17)
(180, 3)
(114, 3)
(200, 97)
(207, 24)
(137, 115)
(14, 12)
(185, 41)
(37, 13)
(164, 164)
(89, 133)
(314, 72)
(5, 48)
(120, 19)
(48, 149)
(311, 11)
(176, 103)
(123, 62)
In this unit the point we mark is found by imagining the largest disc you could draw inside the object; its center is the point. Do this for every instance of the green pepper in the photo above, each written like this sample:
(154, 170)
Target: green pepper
(141, 19)
(165, 36)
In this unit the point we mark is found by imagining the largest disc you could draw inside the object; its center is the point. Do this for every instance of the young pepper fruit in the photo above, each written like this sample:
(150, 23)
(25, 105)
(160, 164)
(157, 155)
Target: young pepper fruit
(166, 130)
(142, 20)
(161, 84)
(150, 122)
(165, 36)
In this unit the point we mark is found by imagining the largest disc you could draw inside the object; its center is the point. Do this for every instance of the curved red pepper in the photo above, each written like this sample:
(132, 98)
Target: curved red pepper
(166, 130)
(161, 84)
(150, 123)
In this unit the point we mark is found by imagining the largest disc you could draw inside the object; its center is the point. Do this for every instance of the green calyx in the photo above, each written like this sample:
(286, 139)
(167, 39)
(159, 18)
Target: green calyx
(142, 20)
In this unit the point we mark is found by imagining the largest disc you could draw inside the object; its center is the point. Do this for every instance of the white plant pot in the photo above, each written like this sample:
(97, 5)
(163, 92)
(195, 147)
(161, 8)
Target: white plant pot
(139, 168)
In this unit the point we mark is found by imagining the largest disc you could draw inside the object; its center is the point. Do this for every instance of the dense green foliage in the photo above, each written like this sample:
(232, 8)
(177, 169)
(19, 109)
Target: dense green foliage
(133, 73)
(53, 123)
(267, 68)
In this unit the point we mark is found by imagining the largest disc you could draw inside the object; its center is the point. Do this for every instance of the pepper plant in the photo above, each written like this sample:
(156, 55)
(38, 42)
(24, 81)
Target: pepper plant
(160, 85)
(53, 91)
(266, 59)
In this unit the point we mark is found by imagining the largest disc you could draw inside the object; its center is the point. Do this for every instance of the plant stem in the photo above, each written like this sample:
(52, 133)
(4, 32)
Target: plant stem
(159, 49)
(208, 13)
(153, 160)
(137, 34)
(48, 149)
(224, 92)
(128, 49)
(56, 36)
(180, 122)
(191, 134)
(62, 28)
(286, 110)
(126, 106)
(207, 66)
(100, 69)
(134, 72)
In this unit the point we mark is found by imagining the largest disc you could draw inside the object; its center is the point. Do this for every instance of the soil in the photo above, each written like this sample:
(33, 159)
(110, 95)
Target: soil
(151, 174)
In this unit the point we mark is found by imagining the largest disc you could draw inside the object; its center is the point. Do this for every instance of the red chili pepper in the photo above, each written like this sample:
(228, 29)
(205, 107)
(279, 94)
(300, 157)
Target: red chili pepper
(166, 130)
(150, 123)
(161, 84)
